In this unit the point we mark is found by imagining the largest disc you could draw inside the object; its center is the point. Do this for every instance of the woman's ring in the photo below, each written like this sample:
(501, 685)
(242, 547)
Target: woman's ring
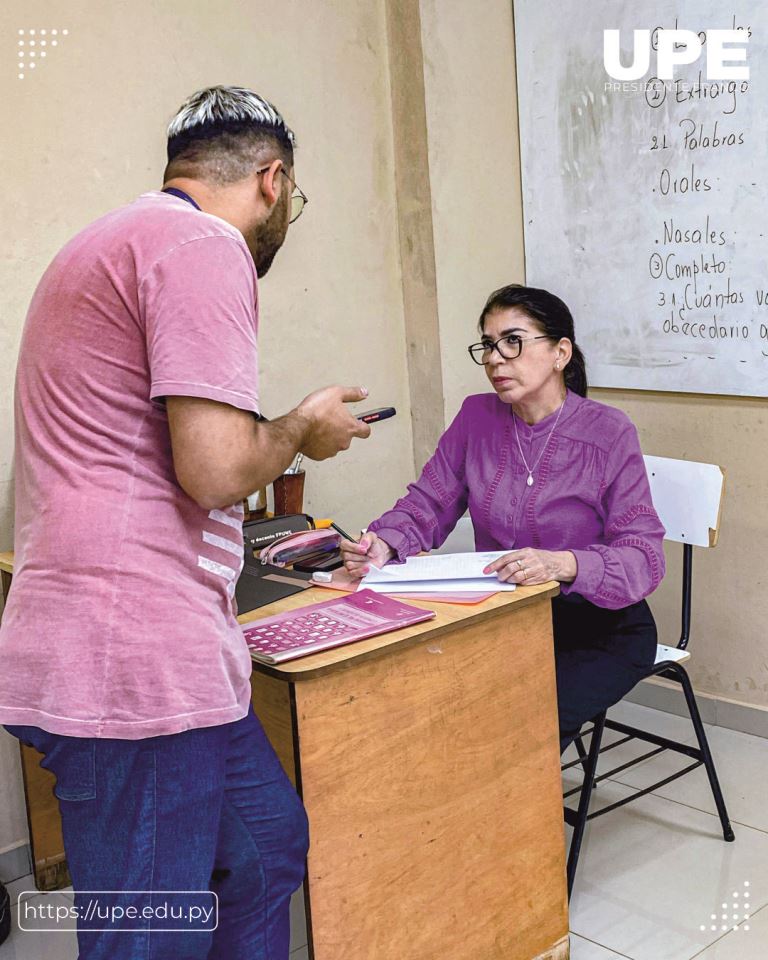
(519, 563)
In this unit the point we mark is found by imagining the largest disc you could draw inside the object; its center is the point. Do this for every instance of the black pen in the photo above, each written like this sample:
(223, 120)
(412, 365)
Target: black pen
(345, 535)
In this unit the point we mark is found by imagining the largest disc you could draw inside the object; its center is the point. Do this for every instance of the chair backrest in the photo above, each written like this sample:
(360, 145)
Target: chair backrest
(688, 497)
(461, 539)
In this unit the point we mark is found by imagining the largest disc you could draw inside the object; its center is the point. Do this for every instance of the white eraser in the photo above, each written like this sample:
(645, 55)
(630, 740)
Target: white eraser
(322, 576)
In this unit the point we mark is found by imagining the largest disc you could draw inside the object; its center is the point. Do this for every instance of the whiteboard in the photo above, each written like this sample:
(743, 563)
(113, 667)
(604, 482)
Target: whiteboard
(646, 210)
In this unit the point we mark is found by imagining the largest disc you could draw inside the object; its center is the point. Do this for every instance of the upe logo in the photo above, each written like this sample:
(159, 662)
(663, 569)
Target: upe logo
(676, 48)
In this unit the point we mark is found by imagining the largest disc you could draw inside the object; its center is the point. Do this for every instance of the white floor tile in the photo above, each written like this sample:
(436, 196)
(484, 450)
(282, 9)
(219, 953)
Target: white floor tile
(742, 768)
(15, 887)
(301, 954)
(15, 862)
(742, 944)
(633, 714)
(582, 949)
(652, 873)
(657, 721)
(298, 921)
(37, 945)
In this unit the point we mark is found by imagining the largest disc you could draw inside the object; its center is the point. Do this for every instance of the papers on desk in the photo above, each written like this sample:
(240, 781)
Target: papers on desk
(438, 573)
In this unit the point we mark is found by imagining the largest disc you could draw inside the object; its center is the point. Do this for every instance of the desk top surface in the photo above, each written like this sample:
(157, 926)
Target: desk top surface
(448, 616)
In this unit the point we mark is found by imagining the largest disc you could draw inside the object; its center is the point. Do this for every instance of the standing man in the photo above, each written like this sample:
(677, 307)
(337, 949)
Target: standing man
(136, 441)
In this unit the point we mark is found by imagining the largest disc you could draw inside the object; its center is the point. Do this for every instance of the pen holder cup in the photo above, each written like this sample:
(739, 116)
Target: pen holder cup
(289, 493)
(255, 507)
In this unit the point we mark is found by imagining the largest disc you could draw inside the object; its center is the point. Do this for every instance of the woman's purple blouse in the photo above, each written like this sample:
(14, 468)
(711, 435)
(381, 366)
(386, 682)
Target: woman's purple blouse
(590, 495)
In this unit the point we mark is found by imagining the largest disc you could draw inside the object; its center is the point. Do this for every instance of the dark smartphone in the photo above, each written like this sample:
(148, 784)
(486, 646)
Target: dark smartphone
(373, 416)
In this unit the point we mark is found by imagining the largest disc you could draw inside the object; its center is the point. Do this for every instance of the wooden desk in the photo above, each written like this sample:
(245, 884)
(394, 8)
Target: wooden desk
(428, 762)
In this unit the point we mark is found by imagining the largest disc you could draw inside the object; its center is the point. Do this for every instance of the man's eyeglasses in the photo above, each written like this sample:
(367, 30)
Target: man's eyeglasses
(509, 347)
(298, 198)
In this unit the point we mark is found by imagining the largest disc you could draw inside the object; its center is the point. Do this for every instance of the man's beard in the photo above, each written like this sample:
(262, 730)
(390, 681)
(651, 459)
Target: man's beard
(265, 240)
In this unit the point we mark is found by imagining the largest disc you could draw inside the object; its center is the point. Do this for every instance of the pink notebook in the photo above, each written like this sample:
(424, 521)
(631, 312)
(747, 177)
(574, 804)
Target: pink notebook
(332, 623)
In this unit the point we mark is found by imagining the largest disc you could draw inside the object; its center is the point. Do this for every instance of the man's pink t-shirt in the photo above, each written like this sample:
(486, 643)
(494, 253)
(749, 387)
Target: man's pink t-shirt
(120, 621)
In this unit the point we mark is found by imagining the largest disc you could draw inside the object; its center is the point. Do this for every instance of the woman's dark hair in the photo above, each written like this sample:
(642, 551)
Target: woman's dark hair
(554, 318)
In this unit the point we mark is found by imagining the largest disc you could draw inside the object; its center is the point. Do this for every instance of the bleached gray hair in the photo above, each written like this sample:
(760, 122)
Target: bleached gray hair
(227, 105)
(220, 130)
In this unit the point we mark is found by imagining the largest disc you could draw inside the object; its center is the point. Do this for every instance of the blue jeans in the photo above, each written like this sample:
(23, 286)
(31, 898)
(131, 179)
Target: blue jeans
(207, 809)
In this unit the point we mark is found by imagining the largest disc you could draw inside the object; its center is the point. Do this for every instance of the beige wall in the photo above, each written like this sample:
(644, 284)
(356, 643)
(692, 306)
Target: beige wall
(86, 134)
(471, 96)
(13, 818)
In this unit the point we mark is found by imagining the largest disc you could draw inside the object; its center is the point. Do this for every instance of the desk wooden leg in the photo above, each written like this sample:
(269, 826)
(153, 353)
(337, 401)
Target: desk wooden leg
(561, 951)
(432, 782)
(5, 583)
(46, 840)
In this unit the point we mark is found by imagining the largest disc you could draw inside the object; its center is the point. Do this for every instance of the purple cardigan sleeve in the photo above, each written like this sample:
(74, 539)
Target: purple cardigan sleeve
(629, 564)
(423, 518)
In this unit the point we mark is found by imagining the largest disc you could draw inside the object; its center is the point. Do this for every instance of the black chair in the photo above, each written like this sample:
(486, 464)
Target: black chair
(688, 497)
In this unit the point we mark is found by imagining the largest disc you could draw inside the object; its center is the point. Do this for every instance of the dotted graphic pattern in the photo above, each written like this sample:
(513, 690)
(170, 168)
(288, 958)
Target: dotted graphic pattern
(34, 46)
(735, 917)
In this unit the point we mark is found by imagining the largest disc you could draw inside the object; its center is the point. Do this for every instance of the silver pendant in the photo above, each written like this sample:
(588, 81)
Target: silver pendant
(529, 481)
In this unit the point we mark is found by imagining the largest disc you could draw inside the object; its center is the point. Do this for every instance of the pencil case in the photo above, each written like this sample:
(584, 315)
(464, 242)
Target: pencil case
(259, 534)
(299, 545)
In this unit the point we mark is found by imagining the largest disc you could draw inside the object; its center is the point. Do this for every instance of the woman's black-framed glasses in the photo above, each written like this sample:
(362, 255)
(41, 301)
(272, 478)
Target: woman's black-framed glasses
(509, 347)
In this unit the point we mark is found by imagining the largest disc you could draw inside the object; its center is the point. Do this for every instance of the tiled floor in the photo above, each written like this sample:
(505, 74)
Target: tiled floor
(654, 877)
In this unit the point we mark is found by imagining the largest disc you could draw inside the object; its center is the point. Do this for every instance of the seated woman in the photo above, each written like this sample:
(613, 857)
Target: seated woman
(559, 481)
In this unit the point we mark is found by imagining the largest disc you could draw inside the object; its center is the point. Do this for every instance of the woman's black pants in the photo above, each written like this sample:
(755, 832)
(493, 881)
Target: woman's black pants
(599, 657)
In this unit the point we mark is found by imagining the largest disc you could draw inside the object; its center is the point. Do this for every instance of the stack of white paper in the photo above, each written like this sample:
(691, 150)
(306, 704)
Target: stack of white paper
(438, 573)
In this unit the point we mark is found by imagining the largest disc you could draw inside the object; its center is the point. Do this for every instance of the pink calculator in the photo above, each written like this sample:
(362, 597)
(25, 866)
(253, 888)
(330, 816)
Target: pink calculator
(322, 626)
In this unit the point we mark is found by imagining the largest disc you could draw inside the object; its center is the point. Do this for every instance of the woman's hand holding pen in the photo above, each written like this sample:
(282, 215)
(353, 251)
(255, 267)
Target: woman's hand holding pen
(369, 551)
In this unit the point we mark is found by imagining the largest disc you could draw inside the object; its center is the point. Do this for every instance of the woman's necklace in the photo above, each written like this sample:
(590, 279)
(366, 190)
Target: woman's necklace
(530, 470)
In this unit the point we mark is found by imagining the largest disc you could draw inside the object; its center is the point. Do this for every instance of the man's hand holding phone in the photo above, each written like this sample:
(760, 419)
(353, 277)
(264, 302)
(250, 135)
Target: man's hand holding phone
(331, 426)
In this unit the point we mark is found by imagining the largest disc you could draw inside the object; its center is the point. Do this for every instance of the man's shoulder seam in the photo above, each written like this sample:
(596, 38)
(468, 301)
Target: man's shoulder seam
(185, 243)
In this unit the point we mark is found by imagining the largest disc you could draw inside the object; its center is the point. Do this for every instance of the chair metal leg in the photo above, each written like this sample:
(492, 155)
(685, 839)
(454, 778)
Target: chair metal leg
(590, 769)
(582, 752)
(706, 754)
